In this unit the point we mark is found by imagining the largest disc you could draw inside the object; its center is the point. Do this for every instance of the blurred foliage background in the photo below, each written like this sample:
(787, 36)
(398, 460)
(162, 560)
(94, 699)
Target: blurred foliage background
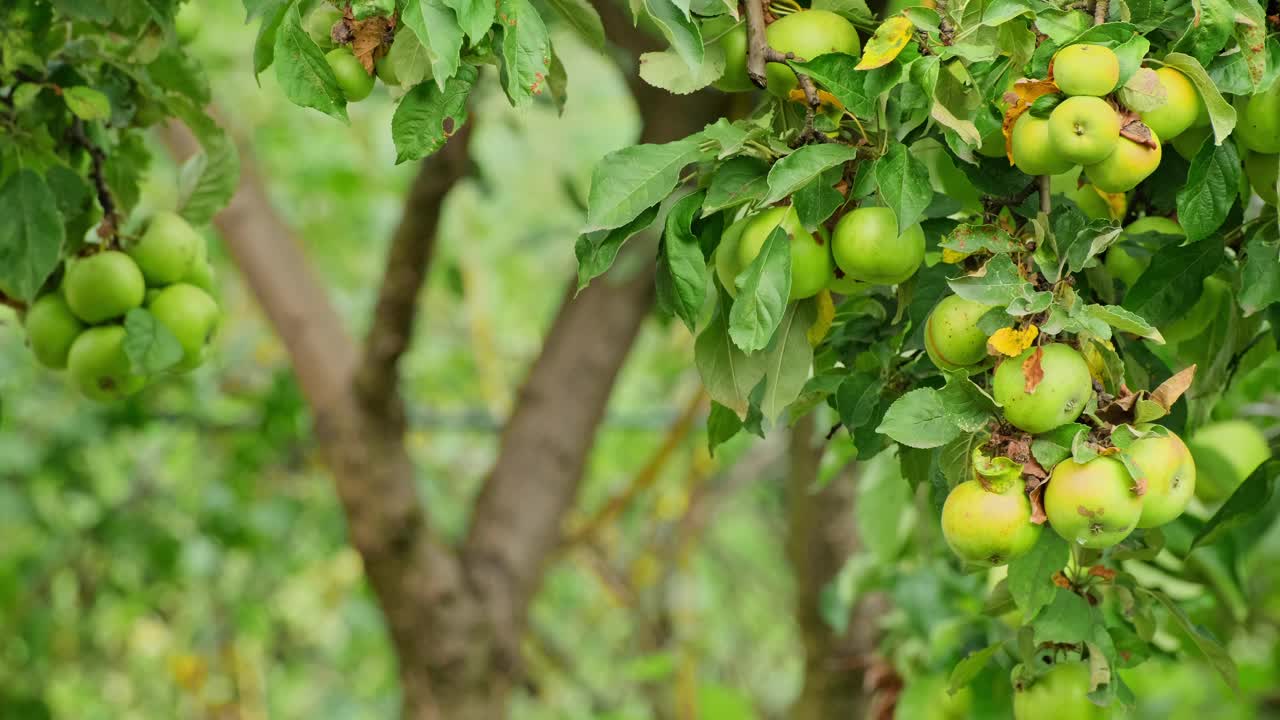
(183, 555)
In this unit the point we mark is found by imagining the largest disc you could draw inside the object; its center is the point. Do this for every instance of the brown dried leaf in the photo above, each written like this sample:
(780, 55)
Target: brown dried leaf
(1137, 131)
(1173, 388)
(371, 39)
(1032, 373)
(1036, 497)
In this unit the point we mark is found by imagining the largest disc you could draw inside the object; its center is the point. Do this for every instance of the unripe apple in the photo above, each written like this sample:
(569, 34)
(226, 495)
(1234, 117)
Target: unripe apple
(319, 25)
(51, 329)
(810, 258)
(951, 334)
(807, 34)
(1034, 151)
(1226, 453)
(1058, 399)
(844, 285)
(355, 81)
(191, 315)
(202, 276)
(1166, 465)
(1258, 121)
(187, 21)
(1084, 69)
(987, 527)
(1084, 130)
(868, 247)
(1123, 169)
(1127, 266)
(1189, 142)
(1181, 107)
(167, 249)
(732, 36)
(385, 71)
(1060, 694)
(1092, 504)
(103, 286)
(728, 265)
(1262, 172)
(99, 367)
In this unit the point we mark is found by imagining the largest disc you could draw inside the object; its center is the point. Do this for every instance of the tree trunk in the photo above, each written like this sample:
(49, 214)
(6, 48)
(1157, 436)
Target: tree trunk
(821, 536)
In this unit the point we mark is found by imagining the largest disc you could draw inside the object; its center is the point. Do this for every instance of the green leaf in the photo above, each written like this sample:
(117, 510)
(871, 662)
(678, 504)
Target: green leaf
(818, 200)
(788, 359)
(1260, 278)
(526, 51)
(739, 180)
(475, 17)
(436, 27)
(31, 234)
(1143, 91)
(919, 419)
(903, 181)
(87, 103)
(728, 374)
(1053, 447)
(410, 59)
(1221, 114)
(998, 282)
(1247, 501)
(763, 288)
(629, 180)
(967, 669)
(977, 238)
(669, 71)
(264, 46)
(1213, 651)
(1212, 186)
(804, 165)
(1124, 321)
(682, 255)
(583, 18)
(1031, 576)
(208, 179)
(968, 407)
(956, 101)
(681, 33)
(1131, 53)
(722, 424)
(427, 116)
(151, 346)
(1172, 284)
(597, 250)
(856, 399)
(1066, 619)
(858, 90)
(303, 73)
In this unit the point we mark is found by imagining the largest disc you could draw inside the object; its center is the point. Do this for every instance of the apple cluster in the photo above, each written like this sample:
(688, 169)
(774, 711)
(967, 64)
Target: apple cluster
(355, 81)
(1117, 148)
(1094, 504)
(79, 325)
(865, 247)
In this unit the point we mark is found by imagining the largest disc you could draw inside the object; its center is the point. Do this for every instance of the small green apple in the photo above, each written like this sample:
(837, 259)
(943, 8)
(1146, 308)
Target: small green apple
(319, 25)
(951, 334)
(1093, 503)
(191, 315)
(1056, 400)
(1166, 465)
(868, 247)
(1123, 169)
(51, 329)
(807, 34)
(810, 256)
(355, 81)
(1258, 121)
(1084, 130)
(103, 286)
(1262, 171)
(1034, 152)
(1084, 69)
(167, 249)
(99, 367)
(1181, 107)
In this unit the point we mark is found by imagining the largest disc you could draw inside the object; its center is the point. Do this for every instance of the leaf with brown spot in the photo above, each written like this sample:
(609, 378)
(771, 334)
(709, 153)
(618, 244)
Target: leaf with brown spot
(369, 40)
(1024, 92)
(1137, 131)
(1032, 373)
(1173, 388)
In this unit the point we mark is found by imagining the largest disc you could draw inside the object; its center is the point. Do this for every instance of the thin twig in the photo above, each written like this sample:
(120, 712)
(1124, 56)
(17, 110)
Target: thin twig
(14, 303)
(810, 135)
(110, 216)
(1100, 8)
(1046, 203)
(1017, 198)
(945, 31)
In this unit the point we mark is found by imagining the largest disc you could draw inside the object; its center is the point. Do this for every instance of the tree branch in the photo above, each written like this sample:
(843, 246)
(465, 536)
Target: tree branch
(1046, 194)
(1100, 9)
(97, 172)
(758, 50)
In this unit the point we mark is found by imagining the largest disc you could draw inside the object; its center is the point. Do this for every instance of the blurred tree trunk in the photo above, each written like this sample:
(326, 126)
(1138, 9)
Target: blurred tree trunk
(839, 668)
(454, 615)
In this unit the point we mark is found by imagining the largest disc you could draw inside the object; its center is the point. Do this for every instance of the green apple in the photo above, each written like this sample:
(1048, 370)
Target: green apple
(1258, 121)
(868, 247)
(1166, 465)
(355, 81)
(1060, 694)
(1056, 400)
(1084, 69)
(1226, 453)
(807, 34)
(202, 276)
(1181, 106)
(810, 258)
(1034, 151)
(319, 25)
(386, 71)
(1084, 130)
(728, 266)
(51, 328)
(103, 286)
(988, 527)
(951, 334)
(167, 250)
(731, 36)
(1154, 224)
(99, 367)
(187, 21)
(1125, 265)
(1123, 169)
(1092, 504)
(191, 315)
(1262, 173)
(1189, 142)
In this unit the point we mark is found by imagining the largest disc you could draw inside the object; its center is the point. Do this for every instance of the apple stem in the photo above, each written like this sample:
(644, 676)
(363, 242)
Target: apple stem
(107, 230)
(1046, 204)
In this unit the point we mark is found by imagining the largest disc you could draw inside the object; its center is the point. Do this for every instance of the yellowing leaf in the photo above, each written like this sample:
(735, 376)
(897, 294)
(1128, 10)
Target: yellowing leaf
(892, 35)
(822, 323)
(1008, 341)
(1093, 357)
(951, 257)
(826, 101)
(188, 671)
(1024, 92)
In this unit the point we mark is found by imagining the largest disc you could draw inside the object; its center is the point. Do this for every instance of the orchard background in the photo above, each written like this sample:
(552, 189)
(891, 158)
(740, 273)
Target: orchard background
(521, 403)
